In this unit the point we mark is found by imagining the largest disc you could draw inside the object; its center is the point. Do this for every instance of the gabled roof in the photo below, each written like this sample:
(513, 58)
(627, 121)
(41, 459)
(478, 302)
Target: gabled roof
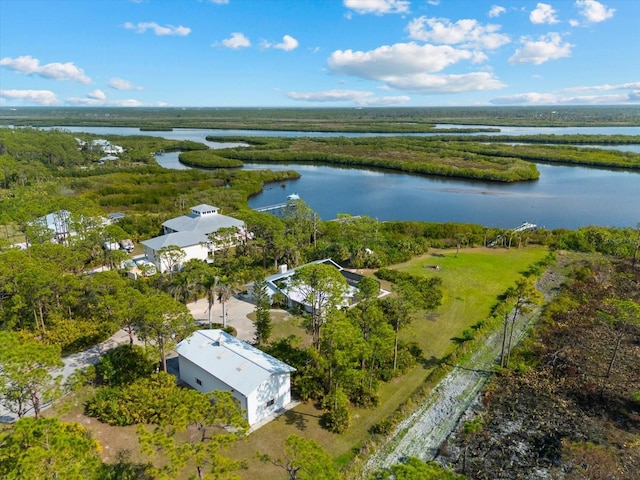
(234, 362)
(178, 239)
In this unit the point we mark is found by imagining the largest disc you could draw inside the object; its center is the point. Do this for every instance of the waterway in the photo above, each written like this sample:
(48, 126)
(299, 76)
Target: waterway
(563, 197)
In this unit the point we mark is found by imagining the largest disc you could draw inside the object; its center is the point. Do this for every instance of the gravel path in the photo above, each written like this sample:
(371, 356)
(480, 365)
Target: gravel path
(420, 434)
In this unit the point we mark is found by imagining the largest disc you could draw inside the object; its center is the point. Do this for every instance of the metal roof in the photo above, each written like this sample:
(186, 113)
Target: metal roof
(178, 239)
(205, 223)
(234, 362)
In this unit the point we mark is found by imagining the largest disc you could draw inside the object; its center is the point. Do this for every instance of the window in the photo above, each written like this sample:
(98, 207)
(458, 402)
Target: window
(271, 402)
(198, 381)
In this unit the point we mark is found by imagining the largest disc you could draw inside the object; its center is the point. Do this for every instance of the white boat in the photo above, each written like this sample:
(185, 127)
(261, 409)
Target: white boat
(293, 196)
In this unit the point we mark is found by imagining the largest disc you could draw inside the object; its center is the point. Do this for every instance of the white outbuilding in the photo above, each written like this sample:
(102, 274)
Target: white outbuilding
(215, 360)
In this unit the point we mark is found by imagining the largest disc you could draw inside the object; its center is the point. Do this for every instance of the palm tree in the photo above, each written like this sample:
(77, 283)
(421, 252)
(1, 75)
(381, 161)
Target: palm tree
(209, 283)
(225, 292)
(183, 289)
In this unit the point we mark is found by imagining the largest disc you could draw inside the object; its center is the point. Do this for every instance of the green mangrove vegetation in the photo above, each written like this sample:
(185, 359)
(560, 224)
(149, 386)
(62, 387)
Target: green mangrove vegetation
(417, 155)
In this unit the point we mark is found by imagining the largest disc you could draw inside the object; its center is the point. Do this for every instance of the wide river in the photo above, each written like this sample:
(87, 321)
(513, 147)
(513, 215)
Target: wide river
(563, 197)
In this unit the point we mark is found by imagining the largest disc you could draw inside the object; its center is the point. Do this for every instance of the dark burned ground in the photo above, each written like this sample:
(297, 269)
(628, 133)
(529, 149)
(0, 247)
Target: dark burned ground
(556, 415)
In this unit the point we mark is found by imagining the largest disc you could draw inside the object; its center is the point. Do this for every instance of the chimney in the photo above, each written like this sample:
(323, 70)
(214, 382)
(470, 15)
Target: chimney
(283, 268)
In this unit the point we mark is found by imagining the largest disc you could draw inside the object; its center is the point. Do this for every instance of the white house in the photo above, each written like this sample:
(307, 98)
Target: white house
(63, 224)
(280, 283)
(191, 234)
(194, 245)
(203, 219)
(214, 360)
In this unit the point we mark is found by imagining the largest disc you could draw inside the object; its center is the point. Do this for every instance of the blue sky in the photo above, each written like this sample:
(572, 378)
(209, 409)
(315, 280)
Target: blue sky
(318, 53)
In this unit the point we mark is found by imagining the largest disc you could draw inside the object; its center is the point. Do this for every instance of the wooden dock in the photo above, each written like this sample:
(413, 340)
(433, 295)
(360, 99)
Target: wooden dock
(268, 208)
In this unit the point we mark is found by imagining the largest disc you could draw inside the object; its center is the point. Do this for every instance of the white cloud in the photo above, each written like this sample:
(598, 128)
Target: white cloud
(535, 98)
(220, 2)
(496, 11)
(237, 40)
(120, 84)
(97, 95)
(397, 59)
(160, 30)
(41, 97)
(593, 11)
(409, 67)
(28, 65)
(288, 43)
(435, 3)
(543, 13)
(467, 33)
(547, 47)
(95, 99)
(438, 84)
(358, 97)
(378, 7)
(605, 88)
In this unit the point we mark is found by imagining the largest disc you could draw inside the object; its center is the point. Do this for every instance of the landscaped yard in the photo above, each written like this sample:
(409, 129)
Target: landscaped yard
(471, 282)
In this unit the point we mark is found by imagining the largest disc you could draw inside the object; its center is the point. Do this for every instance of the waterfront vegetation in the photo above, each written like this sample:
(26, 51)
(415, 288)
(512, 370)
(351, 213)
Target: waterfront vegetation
(449, 293)
(441, 156)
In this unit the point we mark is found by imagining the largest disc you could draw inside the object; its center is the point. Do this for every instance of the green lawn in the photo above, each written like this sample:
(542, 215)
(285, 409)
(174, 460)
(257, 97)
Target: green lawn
(471, 283)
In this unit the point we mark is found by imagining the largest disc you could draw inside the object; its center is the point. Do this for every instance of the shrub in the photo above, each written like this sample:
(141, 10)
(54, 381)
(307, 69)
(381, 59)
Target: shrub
(124, 365)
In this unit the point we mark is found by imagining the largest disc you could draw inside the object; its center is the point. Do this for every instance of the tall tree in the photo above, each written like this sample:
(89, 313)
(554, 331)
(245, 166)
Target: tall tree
(171, 258)
(518, 300)
(222, 240)
(165, 323)
(626, 312)
(322, 288)
(209, 282)
(226, 289)
(27, 369)
(263, 315)
(128, 307)
(304, 459)
(412, 294)
(198, 428)
(45, 449)
(183, 288)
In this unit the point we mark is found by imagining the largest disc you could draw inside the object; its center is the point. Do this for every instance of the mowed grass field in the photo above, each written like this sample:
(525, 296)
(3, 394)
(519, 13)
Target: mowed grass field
(471, 282)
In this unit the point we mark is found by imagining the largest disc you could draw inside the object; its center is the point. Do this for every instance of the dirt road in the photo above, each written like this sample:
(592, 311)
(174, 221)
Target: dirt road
(421, 433)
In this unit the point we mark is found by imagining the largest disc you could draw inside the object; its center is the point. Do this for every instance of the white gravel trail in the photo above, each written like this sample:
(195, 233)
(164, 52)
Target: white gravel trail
(420, 434)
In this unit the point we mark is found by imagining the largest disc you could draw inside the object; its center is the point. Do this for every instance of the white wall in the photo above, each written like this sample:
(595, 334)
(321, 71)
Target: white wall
(277, 387)
(189, 372)
(199, 252)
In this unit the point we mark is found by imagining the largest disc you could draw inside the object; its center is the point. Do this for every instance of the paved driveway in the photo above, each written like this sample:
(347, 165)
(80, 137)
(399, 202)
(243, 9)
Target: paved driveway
(237, 310)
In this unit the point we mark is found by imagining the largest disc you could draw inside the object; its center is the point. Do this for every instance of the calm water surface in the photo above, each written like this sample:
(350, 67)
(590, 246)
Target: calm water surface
(563, 197)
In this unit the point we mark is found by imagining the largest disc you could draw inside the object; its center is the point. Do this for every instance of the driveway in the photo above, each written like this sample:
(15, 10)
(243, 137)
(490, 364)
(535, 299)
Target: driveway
(237, 310)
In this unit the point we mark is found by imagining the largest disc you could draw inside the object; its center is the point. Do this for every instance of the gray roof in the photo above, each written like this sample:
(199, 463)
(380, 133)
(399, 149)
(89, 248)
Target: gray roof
(205, 224)
(178, 239)
(234, 362)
